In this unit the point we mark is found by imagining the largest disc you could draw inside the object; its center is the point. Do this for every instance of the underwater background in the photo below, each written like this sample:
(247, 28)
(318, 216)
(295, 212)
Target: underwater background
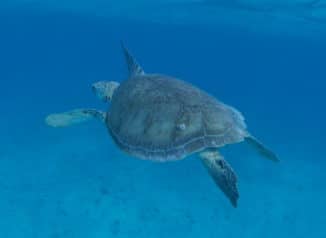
(266, 58)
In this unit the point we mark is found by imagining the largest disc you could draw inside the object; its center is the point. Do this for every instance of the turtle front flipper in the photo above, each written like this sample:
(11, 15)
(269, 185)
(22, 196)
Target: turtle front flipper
(222, 174)
(73, 117)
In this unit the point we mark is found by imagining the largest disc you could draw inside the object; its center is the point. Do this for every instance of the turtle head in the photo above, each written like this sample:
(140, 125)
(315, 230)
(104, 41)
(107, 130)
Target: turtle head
(104, 90)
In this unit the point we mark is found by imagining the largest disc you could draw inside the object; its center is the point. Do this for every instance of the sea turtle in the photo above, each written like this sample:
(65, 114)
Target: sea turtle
(161, 118)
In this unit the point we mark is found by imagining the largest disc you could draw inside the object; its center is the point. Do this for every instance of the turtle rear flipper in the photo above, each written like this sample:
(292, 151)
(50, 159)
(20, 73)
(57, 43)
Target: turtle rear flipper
(257, 145)
(222, 174)
(73, 117)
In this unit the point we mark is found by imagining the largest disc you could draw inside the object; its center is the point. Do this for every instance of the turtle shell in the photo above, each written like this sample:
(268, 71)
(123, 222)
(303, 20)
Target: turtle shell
(161, 118)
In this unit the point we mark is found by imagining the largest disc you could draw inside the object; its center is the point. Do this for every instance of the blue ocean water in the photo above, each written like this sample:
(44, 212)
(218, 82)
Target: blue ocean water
(74, 182)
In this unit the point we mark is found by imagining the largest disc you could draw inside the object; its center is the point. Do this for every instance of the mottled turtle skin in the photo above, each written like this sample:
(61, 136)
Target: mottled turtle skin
(161, 118)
